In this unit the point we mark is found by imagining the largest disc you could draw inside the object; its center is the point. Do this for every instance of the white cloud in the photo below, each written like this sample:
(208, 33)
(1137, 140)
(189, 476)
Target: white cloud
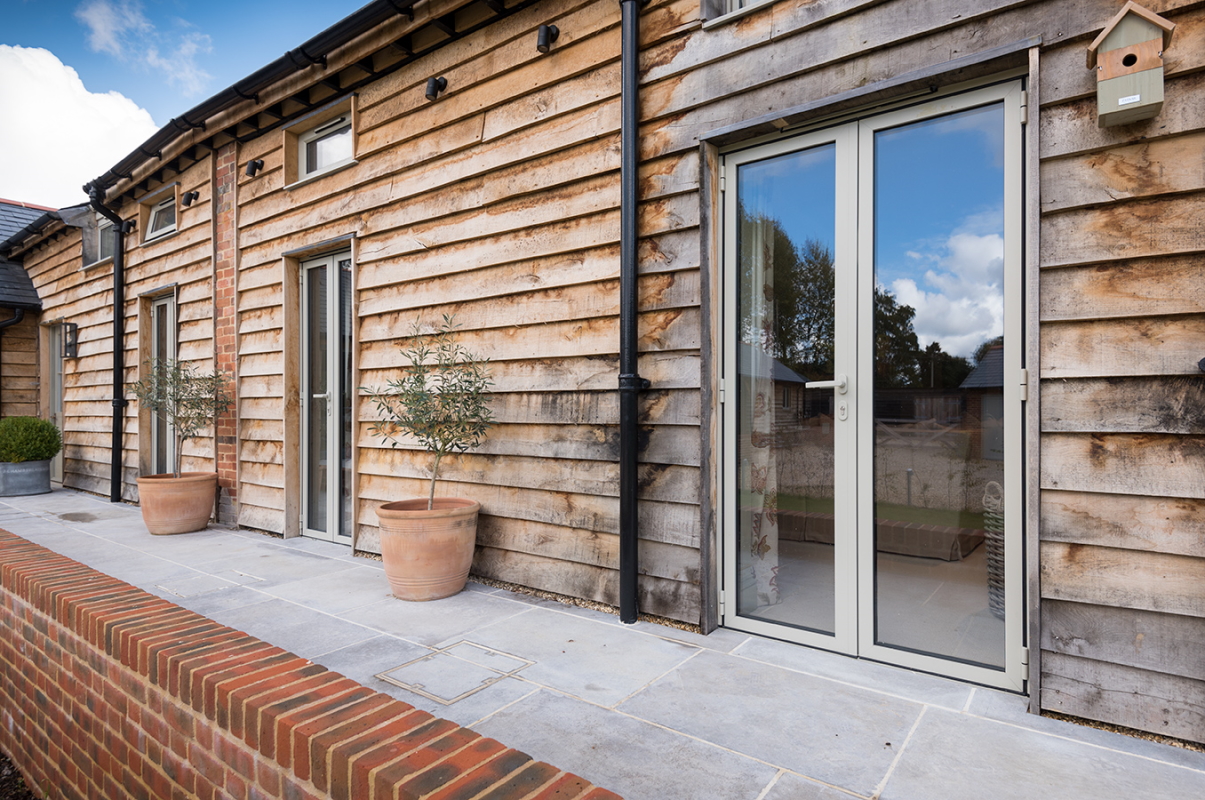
(122, 31)
(112, 26)
(58, 135)
(181, 67)
(962, 303)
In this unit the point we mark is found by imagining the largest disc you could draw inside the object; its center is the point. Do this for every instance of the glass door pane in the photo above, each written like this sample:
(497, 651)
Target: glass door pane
(55, 344)
(786, 338)
(316, 390)
(938, 375)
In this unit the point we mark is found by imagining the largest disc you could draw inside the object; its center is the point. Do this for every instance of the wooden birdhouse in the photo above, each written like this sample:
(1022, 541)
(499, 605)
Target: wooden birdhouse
(1128, 59)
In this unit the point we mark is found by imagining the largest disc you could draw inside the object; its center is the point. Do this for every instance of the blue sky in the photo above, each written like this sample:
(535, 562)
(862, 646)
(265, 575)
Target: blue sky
(160, 57)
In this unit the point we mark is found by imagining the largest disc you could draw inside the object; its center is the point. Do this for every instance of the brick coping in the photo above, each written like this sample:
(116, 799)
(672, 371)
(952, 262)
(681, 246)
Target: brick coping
(159, 701)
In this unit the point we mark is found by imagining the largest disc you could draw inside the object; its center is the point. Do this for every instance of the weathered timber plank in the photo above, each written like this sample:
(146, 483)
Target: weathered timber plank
(263, 452)
(668, 290)
(263, 474)
(1134, 229)
(584, 547)
(263, 519)
(1071, 127)
(1166, 643)
(265, 497)
(1123, 347)
(1157, 465)
(1104, 576)
(673, 523)
(671, 330)
(1142, 287)
(1121, 695)
(662, 482)
(657, 407)
(665, 598)
(1146, 169)
(1167, 404)
(1131, 522)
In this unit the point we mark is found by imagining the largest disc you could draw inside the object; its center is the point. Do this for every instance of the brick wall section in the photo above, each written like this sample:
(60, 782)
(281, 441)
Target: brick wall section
(109, 692)
(224, 289)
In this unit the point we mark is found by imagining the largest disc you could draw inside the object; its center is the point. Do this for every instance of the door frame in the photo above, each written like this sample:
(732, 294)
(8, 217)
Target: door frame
(335, 480)
(858, 638)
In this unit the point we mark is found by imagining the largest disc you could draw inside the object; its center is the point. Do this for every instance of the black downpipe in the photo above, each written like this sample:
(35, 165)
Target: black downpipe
(119, 335)
(630, 383)
(18, 315)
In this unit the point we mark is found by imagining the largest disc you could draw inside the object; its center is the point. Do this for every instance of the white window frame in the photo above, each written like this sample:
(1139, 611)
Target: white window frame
(153, 212)
(163, 308)
(339, 126)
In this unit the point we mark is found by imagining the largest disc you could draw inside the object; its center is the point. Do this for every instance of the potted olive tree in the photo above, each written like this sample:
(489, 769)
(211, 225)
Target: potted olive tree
(27, 444)
(190, 401)
(441, 403)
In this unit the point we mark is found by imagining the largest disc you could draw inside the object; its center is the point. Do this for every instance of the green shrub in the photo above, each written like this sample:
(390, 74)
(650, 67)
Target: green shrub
(28, 439)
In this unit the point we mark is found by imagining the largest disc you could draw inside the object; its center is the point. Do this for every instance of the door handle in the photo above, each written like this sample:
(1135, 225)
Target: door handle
(841, 384)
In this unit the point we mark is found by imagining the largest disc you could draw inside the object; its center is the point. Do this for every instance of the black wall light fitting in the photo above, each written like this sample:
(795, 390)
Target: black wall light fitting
(188, 198)
(254, 166)
(435, 86)
(545, 36)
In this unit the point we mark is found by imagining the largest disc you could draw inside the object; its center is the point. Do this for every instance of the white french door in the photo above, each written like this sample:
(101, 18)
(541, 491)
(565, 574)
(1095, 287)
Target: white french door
(871, 387)
(326, 397)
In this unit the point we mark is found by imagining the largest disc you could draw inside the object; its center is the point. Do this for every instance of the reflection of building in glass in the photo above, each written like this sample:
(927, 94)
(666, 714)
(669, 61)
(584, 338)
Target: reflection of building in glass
(985, 402)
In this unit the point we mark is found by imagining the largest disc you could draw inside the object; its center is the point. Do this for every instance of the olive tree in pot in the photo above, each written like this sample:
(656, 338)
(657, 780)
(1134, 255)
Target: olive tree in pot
(190, 401)
(27, 444)
(441, 402)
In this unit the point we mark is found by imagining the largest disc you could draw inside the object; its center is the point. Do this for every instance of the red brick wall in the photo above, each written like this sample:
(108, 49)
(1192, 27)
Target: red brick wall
(109, 692)
(224, 289)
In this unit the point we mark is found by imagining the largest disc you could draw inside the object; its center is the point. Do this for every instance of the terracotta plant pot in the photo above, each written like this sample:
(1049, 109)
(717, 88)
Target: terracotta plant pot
(427, 554)
(177, 505)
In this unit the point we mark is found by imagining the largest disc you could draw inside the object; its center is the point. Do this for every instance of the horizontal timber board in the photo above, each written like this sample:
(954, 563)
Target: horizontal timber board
(1120, 347)
(1142, 228)
(1149, 701)
(1143, 287)
(1164, 404)
(1172, 165)
(1165, 643)
(1156, 465)
(666, 598)
(1106, 576)
(1131, 522)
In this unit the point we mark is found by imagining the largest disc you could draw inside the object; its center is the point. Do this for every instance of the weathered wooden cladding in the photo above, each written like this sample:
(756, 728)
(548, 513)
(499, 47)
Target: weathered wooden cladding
(1123, 442)
(19, 368)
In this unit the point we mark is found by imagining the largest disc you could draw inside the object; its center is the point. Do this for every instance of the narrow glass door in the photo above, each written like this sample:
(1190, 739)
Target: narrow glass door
(790, 411)
(326, 388)
(940, 247)
(163, 346)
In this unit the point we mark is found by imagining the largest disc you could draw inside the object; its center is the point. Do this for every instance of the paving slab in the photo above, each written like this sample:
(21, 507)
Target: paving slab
(595, 661)
(954, 756)
(298, 630)
(344, 587)
(823, 729)
(435, 621)
(790, 786)
(632, 758)
(886, 678)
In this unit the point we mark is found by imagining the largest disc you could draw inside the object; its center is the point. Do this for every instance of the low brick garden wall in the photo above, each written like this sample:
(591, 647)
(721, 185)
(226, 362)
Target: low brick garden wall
(107, 691)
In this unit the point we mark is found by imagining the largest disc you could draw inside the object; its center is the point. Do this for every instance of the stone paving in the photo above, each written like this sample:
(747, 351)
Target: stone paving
(644, 710)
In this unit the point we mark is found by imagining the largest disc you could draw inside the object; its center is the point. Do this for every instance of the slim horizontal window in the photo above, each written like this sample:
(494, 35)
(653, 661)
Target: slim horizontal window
(325, 147)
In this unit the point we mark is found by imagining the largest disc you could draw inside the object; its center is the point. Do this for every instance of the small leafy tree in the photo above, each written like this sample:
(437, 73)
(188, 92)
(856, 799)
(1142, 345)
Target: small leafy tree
(441, 400)
(189, 400)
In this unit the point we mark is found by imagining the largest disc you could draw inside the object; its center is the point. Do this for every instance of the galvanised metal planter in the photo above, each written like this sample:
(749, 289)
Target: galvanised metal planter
(24, 477)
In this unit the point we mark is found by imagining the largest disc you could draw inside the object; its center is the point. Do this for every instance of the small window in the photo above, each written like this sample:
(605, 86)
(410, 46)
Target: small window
(162, 219)
(104, 239)
(325, 147)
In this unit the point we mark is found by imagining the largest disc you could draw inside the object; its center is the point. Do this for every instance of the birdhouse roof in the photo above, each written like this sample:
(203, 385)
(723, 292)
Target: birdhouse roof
(1143, 13)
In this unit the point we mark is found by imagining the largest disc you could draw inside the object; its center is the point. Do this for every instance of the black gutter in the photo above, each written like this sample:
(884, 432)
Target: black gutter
(96, 195)
(14, 241)
(313, 51)
(630, 382)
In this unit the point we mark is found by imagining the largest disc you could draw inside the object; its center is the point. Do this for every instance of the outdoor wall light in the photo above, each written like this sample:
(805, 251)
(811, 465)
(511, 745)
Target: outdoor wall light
(188, 198)
(435, 86)
(70, 340)
(254, 166)
(546, 35)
